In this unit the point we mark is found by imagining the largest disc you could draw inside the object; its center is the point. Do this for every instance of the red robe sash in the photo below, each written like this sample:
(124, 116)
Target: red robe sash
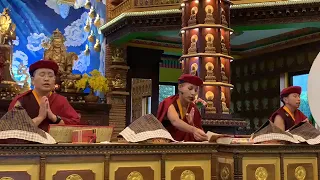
(288, 120)
(59, 105)
(176, 133)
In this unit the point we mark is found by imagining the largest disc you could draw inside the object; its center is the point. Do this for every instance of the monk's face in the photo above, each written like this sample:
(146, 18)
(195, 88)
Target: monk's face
(293, 100)
(43, 80)
(188, 91)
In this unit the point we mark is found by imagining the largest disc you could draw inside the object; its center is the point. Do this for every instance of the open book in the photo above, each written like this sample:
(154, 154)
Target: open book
(228, 139)
(299, 133)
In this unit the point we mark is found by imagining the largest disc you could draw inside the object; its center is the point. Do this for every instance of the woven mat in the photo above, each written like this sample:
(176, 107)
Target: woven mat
(144, 128)
(18, 125)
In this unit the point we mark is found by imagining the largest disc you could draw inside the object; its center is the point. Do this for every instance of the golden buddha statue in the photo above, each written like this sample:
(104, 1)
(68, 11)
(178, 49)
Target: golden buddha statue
(209, 15)
(118, 83)
(193, 46)
(55, 50)
(209, 48)
(223, 46)
(7, 28)
(210, 109)
(225, 109)
(7, 35)
(194, 69)
(223, 74)
(193, 17)
(223, 17)
(210, 77)
(117, 56)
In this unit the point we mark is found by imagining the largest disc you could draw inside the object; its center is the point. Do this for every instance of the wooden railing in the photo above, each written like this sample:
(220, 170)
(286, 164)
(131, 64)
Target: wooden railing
(143, 5)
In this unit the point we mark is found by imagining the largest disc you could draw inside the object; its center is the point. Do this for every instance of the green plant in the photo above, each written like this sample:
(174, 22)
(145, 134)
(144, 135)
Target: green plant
(95, 82)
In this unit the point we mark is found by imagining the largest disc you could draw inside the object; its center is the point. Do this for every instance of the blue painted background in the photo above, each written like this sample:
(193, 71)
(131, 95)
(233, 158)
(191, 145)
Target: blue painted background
(37, 19)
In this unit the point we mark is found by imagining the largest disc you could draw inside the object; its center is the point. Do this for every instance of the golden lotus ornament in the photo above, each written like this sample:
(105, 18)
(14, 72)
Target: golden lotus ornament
(92, 13)
(97, 22)
(88, 4)
(97, 46)
(87, 26)
(91, 37)
(87, 51)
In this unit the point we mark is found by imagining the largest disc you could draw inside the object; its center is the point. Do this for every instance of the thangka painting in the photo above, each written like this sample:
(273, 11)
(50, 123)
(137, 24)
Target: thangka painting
(37, 19)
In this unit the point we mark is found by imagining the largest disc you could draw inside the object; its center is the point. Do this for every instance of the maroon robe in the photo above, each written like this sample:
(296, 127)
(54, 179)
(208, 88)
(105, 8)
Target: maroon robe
(176, 133)
(59, 106)
(288, 121)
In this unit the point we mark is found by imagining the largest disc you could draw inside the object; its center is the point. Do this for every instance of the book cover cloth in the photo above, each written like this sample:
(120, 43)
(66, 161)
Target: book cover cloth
(144, 128)
(16, 124)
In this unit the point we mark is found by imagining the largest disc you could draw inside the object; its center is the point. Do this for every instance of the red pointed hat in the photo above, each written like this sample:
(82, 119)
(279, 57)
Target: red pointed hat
(48, 64)
(291, 89)
(195, 80)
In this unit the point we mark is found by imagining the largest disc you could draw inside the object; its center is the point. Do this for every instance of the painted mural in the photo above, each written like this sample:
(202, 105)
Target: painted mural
(37, 19)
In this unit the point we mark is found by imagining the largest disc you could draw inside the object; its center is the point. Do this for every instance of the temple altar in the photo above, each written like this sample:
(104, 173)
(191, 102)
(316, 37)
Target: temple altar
(184, 161)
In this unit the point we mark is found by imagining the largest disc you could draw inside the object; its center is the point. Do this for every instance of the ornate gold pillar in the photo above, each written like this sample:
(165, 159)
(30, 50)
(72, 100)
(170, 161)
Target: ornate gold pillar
(206, 53)
(116, 72)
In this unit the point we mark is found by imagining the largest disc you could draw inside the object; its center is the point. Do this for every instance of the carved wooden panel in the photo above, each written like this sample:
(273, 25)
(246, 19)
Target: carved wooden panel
(187, 172)
(133, 173)
(14, 175)
(261, 171)
(300, 171)
(74, 175)
(225, 171)
(256, 94)
(140, 88)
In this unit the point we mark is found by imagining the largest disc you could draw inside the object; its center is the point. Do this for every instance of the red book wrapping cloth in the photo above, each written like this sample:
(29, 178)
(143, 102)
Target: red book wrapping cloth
(84, 136)
(63, 133)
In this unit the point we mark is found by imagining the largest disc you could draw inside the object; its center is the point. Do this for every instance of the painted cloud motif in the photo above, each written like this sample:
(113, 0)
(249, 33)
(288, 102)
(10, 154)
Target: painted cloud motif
(61, 9)
(16, 42)
(35, 40)
(82, 63)
(74, 33)
(52, 4)
(20, 59)
(64, 10)
(79, 4)
(102, 57)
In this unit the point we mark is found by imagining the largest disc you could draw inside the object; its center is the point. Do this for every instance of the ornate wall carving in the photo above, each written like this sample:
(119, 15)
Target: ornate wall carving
(257, 81)
(140, 88)
(116, 71)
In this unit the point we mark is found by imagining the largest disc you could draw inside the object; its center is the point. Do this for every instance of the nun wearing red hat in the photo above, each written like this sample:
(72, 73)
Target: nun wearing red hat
(178, 113)
(289, 114)
(42, 104)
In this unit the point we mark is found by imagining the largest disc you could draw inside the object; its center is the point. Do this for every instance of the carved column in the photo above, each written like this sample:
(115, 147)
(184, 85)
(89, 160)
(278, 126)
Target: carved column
(237, 158)
(42, 172)
(106, 166)
(206, 53)
(116, 72)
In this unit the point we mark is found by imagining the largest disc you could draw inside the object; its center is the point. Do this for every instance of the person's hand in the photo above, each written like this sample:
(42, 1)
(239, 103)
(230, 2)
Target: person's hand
(190, 116)
(200, 135)
(51, 116)
(43, 108)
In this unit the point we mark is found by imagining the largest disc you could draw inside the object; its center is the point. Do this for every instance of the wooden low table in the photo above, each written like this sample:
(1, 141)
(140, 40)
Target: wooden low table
(194, 161)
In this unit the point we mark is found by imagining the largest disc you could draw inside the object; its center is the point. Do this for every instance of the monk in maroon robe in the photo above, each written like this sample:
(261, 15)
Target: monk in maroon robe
(289, 114)
(178, 113)
(42, 104)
